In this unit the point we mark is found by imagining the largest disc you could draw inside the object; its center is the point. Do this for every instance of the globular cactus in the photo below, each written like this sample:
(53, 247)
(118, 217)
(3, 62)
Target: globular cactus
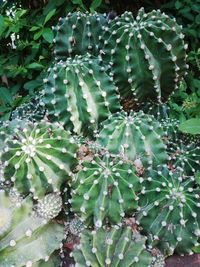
(79, 94)
(78, 33)
(159, 110)
(158, 258)
(169, 210)
(38, 158)
(104, 190)
(136, 136)
(32, 110)
(26, 240)
(133, 47)
(114, 247)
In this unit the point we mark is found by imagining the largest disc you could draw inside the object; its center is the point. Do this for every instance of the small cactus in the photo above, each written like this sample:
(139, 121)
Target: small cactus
(133, 47)
(26, 240)
(114, 247)
(38, 157)
(136, 136)
(78, 33)
(169, 210)
(104, 190)
(79, 94)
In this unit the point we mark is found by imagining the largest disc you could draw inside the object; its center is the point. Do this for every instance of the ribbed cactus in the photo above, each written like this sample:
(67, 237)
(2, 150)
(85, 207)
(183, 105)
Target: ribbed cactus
(169, 210)
(147, 54)
(136, 136)
(25, 240)
(78, 33)
(79, 94)
(159, 110)
(114, 247)
(38, 158)
(104, 190)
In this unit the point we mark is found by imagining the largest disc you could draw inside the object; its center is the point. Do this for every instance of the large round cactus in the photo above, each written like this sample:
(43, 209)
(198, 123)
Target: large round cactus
(147, 54)
(136, 136)
(114, 247)
(26, 240)
(79, 94)
(169, 210)
(78, 33)
(105, 189)
(38, 157)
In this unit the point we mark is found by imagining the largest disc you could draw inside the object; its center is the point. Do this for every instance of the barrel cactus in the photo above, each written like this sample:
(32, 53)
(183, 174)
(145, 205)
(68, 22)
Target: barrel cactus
(136, 136)
(25, 240)
(79, 94)
(104, 190)
(78, 33)
(169, 210)
(133, 47)
(114, 247)
(38, 157)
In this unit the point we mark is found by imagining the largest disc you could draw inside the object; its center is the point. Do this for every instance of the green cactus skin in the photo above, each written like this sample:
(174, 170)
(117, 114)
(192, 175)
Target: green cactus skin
(136, 136)
(169, 210)
(114, 247)
(77, 34)
(79, 94)
(133, 47)
(28, 240)
(105, 189)
(38, 158)
(159, 110)
(31, 110)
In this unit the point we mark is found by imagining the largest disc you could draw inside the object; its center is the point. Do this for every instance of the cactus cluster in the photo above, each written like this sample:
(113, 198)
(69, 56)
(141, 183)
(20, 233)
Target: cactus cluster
(79, 94)
(25, 239)
(133, 48)
(38, 158)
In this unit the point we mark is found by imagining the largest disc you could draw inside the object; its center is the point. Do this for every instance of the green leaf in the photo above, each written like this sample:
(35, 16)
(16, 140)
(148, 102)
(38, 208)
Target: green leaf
(191, 126)
(5, 96)
(49, 16)
(31, 85)
(34, 28)
(95, 4)
(35, 65)
(80, 3)
(38, 34)
(178, 4)
(48, 35)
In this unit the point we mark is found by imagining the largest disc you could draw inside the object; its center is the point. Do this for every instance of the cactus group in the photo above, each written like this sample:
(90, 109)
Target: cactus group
(133, 48)
(38, 158)
(79, 94)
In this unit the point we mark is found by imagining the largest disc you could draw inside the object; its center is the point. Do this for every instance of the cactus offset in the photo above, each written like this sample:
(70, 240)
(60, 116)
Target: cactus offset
(38, 157)
(133, 47)
(79, 94)
(136, 136)
(114, 247)
(26, 233)
(78, 33)
(169, 210)
(105, 189)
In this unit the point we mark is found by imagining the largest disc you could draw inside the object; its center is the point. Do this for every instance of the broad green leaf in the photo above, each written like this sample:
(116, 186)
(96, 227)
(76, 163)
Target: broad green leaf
(48, 35)
(5, 95)
(35, 65)
(49, 16)
(34, 28)
(178, 4)
(37, 35)
(191, 126)
(95, 4)
(31, 85)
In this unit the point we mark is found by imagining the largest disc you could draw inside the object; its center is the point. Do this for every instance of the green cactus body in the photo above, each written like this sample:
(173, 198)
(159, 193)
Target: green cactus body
(114, 247)
(105, 189)
(38, 157)
(146, 54)
(169, 210)
(77, 34)
(27, 240)
(79, 94)
(137, 137)
(159, 110)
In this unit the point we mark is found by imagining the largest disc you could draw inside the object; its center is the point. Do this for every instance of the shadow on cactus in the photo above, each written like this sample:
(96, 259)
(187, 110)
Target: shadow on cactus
(38, 158)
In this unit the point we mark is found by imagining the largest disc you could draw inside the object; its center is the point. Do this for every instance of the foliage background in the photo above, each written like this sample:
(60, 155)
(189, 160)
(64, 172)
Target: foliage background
(26, 46)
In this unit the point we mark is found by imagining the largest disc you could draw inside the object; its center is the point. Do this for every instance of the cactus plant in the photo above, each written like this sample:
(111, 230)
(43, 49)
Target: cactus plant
(79, 94)
(133, 47)
(38, 157)
(114, 247)
(136, 136)
(169, 210)
(78, 33)
(105, 189)
(25, 240)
